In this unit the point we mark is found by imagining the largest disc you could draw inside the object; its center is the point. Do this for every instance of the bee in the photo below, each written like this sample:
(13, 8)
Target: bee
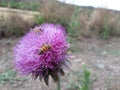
(45, 47)
(38, 30)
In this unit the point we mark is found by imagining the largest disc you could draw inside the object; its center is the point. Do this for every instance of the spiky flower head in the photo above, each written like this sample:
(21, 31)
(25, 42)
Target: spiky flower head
(42, 52)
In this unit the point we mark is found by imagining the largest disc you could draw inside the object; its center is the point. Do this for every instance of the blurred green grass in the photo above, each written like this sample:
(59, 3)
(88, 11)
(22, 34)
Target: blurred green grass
(80, 80)
(9, 76)
(20, 5)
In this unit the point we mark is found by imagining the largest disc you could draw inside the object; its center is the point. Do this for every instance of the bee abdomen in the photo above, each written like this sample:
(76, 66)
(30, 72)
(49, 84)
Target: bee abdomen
(44, 48)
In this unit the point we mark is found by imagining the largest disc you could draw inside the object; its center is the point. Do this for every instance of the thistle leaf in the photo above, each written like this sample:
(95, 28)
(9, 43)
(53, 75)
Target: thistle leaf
(61, 71)
(46, 79)
(54, 76)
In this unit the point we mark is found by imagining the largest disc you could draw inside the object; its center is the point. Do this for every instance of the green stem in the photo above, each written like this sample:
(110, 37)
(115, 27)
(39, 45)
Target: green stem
(58, 84)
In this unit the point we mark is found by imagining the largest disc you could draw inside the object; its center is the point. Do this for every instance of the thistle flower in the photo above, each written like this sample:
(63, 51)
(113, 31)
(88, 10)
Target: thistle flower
(42, 52)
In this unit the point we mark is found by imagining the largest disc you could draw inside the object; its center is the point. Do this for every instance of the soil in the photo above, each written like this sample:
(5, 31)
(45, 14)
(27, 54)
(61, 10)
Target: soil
(101, 57)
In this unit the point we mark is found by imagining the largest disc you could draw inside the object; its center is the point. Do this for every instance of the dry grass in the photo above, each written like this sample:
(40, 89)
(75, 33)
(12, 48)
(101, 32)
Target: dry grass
(84, 22)
(13, 26)
(101, 17)
(97, 22)
(114, 23)
(15, 22)
(56, 12)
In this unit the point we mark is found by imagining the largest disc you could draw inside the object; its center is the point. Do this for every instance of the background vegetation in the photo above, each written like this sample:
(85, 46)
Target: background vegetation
(79, 21)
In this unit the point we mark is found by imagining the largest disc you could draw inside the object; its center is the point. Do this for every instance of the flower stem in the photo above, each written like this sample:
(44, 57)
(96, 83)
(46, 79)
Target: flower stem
(58, 84)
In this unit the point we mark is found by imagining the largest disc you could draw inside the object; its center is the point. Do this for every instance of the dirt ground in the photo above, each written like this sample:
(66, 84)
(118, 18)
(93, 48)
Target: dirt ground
(101, 57)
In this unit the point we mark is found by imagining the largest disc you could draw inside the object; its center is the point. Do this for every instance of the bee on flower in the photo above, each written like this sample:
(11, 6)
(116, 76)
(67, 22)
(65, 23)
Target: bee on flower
(42, 55)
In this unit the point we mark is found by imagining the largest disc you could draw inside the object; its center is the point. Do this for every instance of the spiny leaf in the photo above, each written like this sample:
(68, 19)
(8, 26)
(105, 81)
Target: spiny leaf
(46, 79)
(61, 71)
(54, 76)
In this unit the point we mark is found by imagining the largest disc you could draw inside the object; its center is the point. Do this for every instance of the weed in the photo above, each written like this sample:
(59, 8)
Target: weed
(39, 19)
(14, 25)
(108, 81)
(20, 5)
(113, 52)
(74, 23)
(85, 82)
(3, 4)
(80, 80)
(78, 21)
(105, 30)
(7, 76)
(55, 12)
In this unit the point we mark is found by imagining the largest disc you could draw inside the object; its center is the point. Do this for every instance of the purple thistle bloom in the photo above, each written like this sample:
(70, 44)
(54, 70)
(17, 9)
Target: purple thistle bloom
(42, 52)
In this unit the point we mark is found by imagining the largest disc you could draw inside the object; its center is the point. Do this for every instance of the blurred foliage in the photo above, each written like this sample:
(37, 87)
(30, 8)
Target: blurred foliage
(20, 5)
(13, 26)
(3, 4)
(74, 23)
(55, 12)
(39, 19)
(79, 21)
(72, 27)
(9, 76)
(105, 30)
(85, 82)
(80, 80)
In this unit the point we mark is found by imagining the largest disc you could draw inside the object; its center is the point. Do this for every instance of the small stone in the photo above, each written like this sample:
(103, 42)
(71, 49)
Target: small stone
(112, 74)
(101, 66)
(77, 60)
(109, 45)
(8, 42)
(96, 89)
(104, 53)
